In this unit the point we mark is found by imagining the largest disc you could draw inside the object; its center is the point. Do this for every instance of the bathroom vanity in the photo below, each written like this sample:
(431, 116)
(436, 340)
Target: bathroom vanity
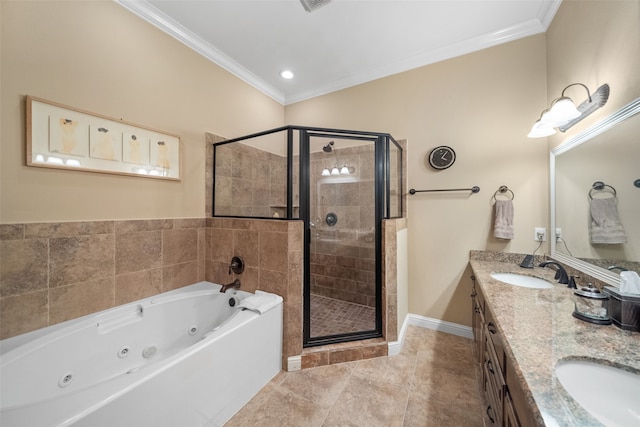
(521, 334)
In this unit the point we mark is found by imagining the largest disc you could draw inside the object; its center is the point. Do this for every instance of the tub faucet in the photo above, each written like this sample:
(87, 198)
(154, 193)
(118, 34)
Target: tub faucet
(561, 274)
(615, 267)
(235, 285)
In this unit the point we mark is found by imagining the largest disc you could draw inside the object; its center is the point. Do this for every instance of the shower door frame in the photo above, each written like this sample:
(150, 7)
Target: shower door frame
(380, 153)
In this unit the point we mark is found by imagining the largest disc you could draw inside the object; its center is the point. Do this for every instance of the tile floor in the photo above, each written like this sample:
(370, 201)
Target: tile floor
(432, 382)
(330, 316)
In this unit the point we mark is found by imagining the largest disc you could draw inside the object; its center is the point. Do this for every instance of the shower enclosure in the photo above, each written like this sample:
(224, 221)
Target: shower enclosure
(342, 184)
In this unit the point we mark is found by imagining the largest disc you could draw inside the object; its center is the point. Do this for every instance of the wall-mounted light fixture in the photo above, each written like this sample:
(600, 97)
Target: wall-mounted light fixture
(563, 113)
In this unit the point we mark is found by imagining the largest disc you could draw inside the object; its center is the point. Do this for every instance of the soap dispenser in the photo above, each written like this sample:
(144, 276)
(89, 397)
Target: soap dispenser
(591, 305)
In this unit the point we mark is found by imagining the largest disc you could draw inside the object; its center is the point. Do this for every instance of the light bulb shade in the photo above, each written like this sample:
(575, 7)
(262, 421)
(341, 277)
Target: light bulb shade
(326, 172)
(562, 111)
(540, 130)
(344, 170)
(335, 171)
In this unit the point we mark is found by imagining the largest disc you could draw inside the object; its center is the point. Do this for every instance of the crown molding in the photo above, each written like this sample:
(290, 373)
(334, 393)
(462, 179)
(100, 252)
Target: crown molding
(155, 17)
(149, 13)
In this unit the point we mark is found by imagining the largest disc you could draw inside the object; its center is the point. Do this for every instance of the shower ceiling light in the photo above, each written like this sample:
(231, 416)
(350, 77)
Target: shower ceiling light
(563, 113)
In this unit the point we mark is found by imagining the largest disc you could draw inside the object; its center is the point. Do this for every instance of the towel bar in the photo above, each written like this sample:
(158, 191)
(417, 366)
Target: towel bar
(474, 190)
(503, 189)
(600, 186)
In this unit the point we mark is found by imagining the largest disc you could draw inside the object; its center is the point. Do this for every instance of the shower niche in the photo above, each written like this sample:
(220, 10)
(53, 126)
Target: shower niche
(342, 184)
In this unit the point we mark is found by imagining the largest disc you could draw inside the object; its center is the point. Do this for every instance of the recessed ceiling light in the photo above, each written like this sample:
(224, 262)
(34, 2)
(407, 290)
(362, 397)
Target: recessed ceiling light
(286, 74)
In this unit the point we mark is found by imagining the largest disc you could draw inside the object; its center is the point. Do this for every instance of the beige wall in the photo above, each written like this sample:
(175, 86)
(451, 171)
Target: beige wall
(594, 42)
(481, 105)
(101, 58)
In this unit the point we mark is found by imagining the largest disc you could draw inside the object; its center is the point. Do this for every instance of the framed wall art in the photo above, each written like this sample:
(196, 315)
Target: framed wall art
(63, 137)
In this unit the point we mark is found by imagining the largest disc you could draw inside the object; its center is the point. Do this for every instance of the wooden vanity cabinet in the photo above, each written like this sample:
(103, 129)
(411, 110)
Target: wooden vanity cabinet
(499, 383)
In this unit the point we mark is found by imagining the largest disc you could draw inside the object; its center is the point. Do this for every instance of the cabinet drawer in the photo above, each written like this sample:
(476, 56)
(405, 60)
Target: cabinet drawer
(492, 334)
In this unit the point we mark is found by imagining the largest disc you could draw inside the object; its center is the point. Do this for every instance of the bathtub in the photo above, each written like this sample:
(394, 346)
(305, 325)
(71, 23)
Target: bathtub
(188, 357)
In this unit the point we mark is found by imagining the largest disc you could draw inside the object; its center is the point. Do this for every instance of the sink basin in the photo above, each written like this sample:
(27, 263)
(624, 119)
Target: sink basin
(609, 394)
(522, 280)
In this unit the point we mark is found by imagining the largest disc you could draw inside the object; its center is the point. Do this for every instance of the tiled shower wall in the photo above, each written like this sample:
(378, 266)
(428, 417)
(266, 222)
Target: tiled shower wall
(52, 272)
(249, 182)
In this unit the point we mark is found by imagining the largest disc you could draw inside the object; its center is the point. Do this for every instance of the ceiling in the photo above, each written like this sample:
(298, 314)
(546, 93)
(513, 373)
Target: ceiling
(342, 43)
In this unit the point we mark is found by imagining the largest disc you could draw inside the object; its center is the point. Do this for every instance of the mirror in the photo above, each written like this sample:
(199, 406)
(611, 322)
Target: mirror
(607, 152)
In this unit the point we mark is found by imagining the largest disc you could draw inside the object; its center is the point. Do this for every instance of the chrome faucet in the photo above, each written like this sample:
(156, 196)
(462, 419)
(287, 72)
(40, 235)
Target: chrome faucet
(615, 267)
(235, 285)
(561, 274)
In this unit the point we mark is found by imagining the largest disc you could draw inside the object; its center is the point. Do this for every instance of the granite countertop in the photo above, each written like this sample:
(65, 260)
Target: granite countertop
(539, 331)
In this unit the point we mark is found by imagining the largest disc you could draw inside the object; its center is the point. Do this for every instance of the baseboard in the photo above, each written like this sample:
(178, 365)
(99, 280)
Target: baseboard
(441, 326)
(427, 322)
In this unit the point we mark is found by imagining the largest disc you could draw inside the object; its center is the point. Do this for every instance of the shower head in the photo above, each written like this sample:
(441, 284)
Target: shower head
(328, 148)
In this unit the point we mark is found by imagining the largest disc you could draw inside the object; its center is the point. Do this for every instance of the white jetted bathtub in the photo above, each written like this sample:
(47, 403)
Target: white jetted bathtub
(188, 357)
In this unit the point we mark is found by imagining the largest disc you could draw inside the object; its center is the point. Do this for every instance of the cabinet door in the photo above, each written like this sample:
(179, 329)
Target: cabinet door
(478, 328)
(510, 418)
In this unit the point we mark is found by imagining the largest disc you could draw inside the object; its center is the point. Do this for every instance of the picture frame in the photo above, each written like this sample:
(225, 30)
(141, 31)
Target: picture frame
(63, 137)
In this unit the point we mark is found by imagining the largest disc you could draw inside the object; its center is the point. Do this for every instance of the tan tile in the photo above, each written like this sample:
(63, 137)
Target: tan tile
(137, 285)
(273, 281)
(246, 245)
(179, 275)
(23, 313)
(273, 251)
(179, 246)
(366, 403)
(396, 370)
(433, 381)
(23, 266)
(133, 226)
(80, 259)
(284, 408)
(271, 225)
(321, 385)
(202, 251)
(436, 413)
(241, 418)
(11, 231)
(373, 351)
(296, 235)
(220, 245)
(312, 360)
(249, 279)
(68, 229)
(138, 251)
(69, 302)
(346, 355)
(188, 223)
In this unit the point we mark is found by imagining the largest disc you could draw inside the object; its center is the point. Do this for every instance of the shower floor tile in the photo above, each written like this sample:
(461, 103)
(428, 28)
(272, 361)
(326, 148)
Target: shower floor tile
(331, 316)
(432, 382)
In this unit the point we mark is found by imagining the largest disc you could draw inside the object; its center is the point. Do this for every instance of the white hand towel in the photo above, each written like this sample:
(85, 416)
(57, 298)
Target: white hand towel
(260, 302)
(629, 283)
(605, 222)
(503, 225)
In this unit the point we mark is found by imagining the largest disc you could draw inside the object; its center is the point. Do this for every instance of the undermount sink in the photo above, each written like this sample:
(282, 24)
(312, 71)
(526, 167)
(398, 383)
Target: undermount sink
(609, 394)
(522, 280)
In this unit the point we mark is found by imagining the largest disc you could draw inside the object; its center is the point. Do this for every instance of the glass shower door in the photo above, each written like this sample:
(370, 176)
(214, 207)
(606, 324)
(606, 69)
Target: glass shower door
(342, 297)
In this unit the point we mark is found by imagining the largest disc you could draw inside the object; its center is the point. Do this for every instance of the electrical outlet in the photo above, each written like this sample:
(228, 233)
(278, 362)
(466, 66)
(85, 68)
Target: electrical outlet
(540, 234)
(558, 233)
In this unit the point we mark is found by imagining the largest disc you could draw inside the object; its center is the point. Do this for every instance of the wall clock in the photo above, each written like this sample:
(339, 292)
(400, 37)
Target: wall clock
(441, 157)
